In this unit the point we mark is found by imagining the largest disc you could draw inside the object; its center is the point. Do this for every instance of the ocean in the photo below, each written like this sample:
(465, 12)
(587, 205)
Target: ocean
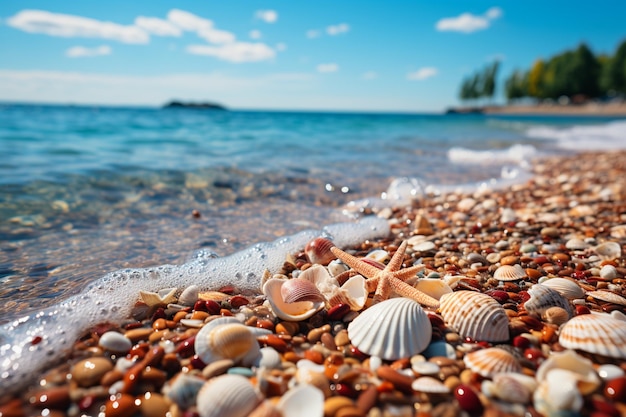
(85, 191)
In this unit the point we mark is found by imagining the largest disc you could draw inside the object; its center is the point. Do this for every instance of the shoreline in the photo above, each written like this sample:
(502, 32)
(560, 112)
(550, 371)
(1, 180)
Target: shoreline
(590, 109)
(466, 235)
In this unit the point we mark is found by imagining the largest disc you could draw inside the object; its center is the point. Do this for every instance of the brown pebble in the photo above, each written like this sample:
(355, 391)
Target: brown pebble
(314, 356)
(367, 399)
(333, 404)
(55, 398)
(154, 405)
(328, 341)
(111, 377)
(88, 372)
(139, 334)
(218, 367)
(159, 324)
(342, 338)
(287, 327)
(199, 315)
(121, 405)
(400, 381)
(509, 260)
(350, 411)
(314, 335)
(442, 361)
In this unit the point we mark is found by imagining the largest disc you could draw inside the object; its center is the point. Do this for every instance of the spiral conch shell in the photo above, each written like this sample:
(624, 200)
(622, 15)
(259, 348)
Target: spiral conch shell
(475, 315)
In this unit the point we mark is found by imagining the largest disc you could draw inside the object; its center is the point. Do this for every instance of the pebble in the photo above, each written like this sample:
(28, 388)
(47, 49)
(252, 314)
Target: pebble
(115, 342)
(89, 372)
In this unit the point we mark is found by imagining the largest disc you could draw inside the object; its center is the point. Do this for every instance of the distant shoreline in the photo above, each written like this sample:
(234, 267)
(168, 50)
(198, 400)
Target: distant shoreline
(590, 109)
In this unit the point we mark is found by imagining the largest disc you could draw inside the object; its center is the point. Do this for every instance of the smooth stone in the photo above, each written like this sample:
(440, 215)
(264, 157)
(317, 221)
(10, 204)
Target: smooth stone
(88, 372)
(616, 389)
(154, 405)
(439, 348)
(55, 398)
(115, 342)
(218, 367)
(609, 371)
(468, 399)
(239, 370)
(121, 405)
(425, 368)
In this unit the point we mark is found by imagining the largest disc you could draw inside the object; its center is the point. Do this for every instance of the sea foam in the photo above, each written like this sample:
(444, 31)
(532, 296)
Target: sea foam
(597, 137)
(33, 343)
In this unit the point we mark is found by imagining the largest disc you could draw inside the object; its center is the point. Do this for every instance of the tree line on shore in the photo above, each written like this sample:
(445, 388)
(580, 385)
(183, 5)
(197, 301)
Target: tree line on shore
(575, 75)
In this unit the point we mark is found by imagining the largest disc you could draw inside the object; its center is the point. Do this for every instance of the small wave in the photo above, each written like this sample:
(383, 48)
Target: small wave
(609, 136)
(515, 154)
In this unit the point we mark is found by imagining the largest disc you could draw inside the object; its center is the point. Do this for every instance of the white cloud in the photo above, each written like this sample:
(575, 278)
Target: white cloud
(422, 74)
(330, 67)
(467, 22)
(157, 26)
(337, 29)
(188, 21)
(255, 34)
(216, 36)
(369, 75)
(71, 26)
(268, 16)
(237, 52)
(81, 51)
(280, 47)
(312, 34)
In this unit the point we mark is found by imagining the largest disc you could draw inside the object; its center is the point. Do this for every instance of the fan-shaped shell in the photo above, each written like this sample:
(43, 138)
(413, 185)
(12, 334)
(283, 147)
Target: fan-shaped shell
(566, 287)
(542, 298)
(298, 289)
(353, 293)
(318, 251)
(219, 339)
(609, 250)
(227, 395)
(433, 286)
(491, 361)
(322, 279)
(509, 273)
(597, 333)
(392, 329)
(297, 311)
(475, 315)
(608, 296)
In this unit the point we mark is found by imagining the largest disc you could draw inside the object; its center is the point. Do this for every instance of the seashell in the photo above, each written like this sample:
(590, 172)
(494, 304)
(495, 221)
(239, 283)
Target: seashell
(424, 367)
(542, 298)
(558, 394)
(161, 297)
(616, 314)
(183, 389)
(608, 272)
(302, 401)
(227, 395)
(477, 258)
(566, 287)
(189, 295)
(511, 387)
(556, 315)
(336, 267)
(392, 329)
(225, 339)
(115, 342)
(322, 279)
(608, 296)
(269, 358)
(298, 289)
(298, 311)
(509, 273)
(597, 333)
(318, 251)
(433, 287)
(475, 315)
(490, 361)
(571, 361)
(422, 226)
(353, 293)
(266, 409)
(608, 250)
(378, 255)
(429, 385)
(619, 231)
(576, 244)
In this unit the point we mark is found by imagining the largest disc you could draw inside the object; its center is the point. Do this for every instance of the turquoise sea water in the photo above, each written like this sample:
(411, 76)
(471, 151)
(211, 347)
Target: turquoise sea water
(89, 190)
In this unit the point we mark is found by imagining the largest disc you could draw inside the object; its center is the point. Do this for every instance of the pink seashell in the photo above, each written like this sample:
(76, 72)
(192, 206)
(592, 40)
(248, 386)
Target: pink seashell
(491, 361)
(318, 251)
(297, 289)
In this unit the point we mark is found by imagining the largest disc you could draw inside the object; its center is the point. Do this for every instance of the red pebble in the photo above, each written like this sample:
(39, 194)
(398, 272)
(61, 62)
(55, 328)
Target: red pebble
(238, 301)
(615, 389)
(580, 309)
(159, 314)
(228, 289)
(200, 305)
(338, 311)
(213, 307)
(197, 363)
(533, 354)
(498, 295)
(521, 342)
(186, 348)
(36, 340)
(344, 389)
(86, 402)
(357, 353)
(468, 399)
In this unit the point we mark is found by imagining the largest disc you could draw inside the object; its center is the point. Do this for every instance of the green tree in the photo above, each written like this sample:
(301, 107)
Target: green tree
(516, 86)
(489, 80)
(536, 80)
(614, 75)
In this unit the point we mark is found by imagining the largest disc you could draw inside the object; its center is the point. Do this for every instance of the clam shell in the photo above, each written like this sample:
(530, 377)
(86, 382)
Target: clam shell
(597, 333)
(322, 279)
(302, 401)
(224, 339)
(189, 295)
(318, 251)
(509, 273)
(542, 298)
(511, 388)
(609, 250)
(475, 315)
(608, 296)
(566, 287)
(429, 385)
(433, 287)
(298, 289)
(491, 361)
(558, 394)
(353, 293)
(608, 272)
(571, 361)
(298, 311)
(227, 395)
(392, 329)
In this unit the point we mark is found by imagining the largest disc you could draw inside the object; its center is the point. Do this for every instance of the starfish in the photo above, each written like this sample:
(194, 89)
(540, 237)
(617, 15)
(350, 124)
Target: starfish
(389, 279)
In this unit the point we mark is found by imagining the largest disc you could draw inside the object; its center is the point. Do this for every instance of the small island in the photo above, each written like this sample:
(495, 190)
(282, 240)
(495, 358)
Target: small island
(174, 104)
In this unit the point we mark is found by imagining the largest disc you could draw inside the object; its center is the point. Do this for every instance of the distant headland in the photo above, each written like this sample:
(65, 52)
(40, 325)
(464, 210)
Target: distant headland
(175, 104)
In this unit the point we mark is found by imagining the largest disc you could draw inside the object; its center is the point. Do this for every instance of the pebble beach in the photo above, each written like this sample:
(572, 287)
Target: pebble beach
(530, 283)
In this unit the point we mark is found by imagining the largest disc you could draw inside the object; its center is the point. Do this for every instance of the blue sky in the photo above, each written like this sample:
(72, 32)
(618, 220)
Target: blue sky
(310, 55)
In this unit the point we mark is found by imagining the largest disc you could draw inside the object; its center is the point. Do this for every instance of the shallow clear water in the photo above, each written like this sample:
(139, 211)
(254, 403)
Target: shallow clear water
(86, 191)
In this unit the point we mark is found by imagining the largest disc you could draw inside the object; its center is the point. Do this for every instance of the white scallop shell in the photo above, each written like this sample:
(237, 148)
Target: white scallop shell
(433, 286)
(392, 329)
(475, 315)
(353, 292)
(302, 401)
(566, 287)
(509, 273)
(597, 333)
(542, 298)
(490, 361)
(608, 296)
(225, 339)
(558, 394)
(227, 395)
(289, 311)
(429, 385)
(609, 250)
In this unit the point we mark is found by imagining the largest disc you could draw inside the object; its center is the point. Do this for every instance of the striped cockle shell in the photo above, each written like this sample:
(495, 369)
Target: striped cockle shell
(509, 273)
(226, 339)
(297, 311)
(318, 251)
(608, 296)
(322, 279)
(542, 298)
(429, 385)
(392, 329)
(490, 361)
(227, 395)
(598, 333)
(475, 315)
(298, 289)
(566, 287)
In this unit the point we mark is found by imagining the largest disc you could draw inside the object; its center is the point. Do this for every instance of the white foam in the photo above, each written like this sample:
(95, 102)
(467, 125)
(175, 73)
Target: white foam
(517, 153)
(111, 298)
(597, 137)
